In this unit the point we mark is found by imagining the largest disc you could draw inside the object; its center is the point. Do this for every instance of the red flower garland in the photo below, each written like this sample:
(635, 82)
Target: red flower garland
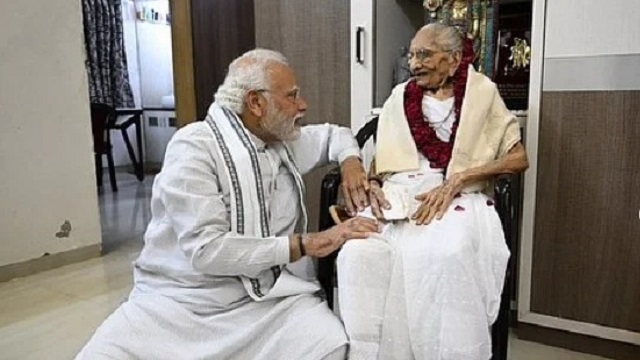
(437, 151)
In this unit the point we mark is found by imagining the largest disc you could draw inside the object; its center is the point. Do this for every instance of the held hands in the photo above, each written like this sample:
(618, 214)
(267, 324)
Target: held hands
(354, 185)
(324, 243)
(436, 202)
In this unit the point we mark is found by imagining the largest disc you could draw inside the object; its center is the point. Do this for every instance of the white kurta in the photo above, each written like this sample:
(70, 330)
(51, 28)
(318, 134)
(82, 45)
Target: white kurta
(188, 300)
(425, 292)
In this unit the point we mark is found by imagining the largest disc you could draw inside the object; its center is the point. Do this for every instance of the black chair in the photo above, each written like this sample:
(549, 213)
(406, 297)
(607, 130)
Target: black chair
(503, 199)
(103, 117)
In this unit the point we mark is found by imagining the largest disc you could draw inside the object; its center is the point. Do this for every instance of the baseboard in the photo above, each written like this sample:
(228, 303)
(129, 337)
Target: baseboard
(30, 267)
(578, 342)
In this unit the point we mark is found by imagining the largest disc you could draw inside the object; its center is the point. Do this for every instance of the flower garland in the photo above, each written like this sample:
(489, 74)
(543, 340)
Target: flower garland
(437, 151)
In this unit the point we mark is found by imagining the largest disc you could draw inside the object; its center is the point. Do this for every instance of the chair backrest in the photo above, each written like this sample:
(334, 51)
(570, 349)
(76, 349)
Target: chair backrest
(367, 131)
(102, 115)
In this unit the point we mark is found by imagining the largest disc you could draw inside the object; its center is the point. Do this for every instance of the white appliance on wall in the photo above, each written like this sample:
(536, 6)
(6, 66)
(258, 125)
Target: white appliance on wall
(159, 127)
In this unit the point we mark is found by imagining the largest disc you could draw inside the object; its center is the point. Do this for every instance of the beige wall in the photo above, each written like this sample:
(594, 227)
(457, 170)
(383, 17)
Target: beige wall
(46, 156)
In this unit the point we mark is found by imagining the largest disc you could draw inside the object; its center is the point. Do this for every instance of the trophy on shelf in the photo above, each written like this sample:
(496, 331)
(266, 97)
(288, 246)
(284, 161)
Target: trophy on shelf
(513, 58)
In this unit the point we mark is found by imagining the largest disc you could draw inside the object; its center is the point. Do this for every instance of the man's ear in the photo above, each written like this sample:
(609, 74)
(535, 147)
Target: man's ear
(255, 103)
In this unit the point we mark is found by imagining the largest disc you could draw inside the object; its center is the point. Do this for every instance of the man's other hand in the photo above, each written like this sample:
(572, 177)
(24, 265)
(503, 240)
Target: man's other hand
(354, 185)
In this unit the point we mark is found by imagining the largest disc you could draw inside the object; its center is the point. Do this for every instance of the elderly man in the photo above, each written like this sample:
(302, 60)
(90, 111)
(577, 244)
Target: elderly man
(225, 271)
(428, 287)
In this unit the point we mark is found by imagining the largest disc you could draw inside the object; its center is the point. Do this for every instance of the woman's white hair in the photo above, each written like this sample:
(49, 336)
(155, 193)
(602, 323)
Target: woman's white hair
(447, 37)
(248, 72)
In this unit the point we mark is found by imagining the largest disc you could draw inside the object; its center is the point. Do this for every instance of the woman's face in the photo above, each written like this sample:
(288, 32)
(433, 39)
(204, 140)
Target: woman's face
(430, 64)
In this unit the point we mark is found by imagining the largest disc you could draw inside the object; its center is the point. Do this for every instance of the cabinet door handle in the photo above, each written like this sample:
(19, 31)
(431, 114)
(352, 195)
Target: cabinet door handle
(359, 45)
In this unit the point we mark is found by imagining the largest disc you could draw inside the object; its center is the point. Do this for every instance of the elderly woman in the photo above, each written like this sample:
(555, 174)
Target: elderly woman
(428, 286)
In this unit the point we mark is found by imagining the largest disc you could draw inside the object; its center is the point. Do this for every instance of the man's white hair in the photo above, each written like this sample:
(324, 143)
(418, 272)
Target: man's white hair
(248, 72)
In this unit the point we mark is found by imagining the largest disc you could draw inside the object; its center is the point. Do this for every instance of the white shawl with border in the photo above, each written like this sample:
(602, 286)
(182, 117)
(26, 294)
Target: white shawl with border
(249, 214)
(486, 132)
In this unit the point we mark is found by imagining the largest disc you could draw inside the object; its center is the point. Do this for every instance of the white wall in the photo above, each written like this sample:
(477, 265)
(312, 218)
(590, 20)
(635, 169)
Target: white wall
(592, 45)
(131, 48)
(150, 63)
(155, 56)
(396, 24)
(46, 153)
(592, 27)
(120, 154)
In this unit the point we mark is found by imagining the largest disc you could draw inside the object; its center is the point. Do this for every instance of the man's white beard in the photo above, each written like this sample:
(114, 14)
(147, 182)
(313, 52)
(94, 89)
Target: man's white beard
(279, 125)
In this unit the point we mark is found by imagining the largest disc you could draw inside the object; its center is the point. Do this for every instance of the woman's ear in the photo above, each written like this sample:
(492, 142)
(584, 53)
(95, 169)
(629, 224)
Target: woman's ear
(455, 60)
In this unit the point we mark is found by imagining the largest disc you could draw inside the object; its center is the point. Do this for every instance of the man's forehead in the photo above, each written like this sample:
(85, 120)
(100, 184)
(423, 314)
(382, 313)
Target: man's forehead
(282, 76)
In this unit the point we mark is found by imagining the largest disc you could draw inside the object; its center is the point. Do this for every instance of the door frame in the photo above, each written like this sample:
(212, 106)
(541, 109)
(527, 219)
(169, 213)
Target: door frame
(183, 69)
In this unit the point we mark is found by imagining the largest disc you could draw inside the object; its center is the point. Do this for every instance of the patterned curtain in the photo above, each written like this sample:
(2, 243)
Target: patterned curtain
(106, 57)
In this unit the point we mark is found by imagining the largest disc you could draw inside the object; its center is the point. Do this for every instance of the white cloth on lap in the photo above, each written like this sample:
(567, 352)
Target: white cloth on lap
(425, 292)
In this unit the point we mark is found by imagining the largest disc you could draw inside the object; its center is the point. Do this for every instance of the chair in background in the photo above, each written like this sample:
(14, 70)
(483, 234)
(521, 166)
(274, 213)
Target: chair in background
(103, 117)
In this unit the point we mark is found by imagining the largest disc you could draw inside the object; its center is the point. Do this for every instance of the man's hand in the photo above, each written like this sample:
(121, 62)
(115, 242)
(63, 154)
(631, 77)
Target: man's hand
(436, 202)
(324, 243)
(354, 185)
(378, 200)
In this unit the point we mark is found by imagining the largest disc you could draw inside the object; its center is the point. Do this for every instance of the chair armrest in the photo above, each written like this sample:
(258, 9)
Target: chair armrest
(504, 192)
(503, 189)
(330, 187)
(329, 190)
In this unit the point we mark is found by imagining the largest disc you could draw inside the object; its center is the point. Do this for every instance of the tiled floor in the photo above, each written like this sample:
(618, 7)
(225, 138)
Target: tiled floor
(52, 314)
(125, 213)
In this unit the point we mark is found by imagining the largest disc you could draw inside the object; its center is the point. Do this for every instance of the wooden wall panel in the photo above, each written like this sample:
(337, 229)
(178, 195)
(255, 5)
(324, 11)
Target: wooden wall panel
(586, 256)
(577, 342)
(222, 31)
(314, 36)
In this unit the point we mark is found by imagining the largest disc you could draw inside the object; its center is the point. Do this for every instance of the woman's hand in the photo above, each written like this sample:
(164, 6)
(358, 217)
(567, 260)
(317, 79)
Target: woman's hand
(436, 202)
